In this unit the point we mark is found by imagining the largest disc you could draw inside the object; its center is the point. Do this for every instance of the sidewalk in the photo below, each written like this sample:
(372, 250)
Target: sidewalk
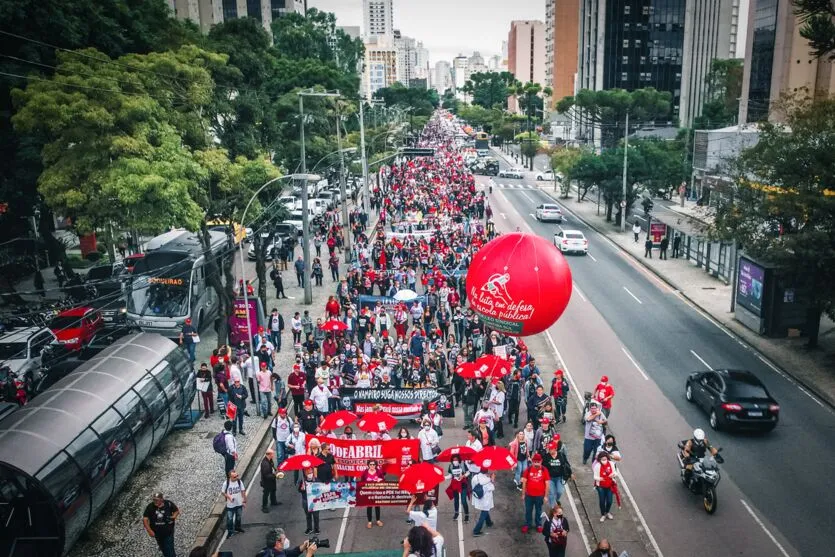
(811, 368)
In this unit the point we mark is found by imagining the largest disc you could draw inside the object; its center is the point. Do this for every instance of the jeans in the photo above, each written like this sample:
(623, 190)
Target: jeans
(238, 424)
(469, 412)
(228, 464)
(190, 347)
(462, 496)
(589, 446)
(533, 505)
(275, 338)
(233, 519)
(521, 466)
(166, 545)
(555, 491)
(266, 403)
(604, 494)
(280, 452)
(483, 518)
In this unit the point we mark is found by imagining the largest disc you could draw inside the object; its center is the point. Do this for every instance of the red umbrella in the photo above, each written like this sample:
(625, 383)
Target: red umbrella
(494, 458)
(375, 422)
(419, 478)
(492, 366)
(333, 325)
(300, 462)
(463, 452)
(467, 370)
(340, 418)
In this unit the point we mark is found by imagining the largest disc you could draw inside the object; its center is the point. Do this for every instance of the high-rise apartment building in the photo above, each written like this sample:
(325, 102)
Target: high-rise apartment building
(406, 57)
(778, 61)
(712, 31)
(378, 17)
(475, 64)
(443, 77)
(207, 13)
(460, 74)
(526, 54)
(380, 69)
(562, 21)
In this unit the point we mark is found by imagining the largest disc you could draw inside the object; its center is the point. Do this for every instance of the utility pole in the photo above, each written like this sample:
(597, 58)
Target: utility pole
(345, 230)
(625, 166)
(364, 158)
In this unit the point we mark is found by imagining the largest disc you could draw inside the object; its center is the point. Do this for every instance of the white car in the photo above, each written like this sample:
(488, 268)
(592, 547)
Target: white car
(511, 173)
(548, 176)
(549, 212)
(297, 223)
(571, 241)
(290, 202)
(20, 350)
(276, 245)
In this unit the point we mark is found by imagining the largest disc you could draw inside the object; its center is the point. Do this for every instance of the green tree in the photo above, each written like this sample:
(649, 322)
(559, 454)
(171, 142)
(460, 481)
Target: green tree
(531, 103)
(724, 88)
(489, 89)
(450, 102)
(607, 110)
(423, 102)
(783, 207)
(818, 17)
(314, 35)
(563, 161)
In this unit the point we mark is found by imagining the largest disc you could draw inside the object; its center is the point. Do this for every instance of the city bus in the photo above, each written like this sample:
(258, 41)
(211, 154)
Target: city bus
(482, 144)
(170, 284)
(238, 231)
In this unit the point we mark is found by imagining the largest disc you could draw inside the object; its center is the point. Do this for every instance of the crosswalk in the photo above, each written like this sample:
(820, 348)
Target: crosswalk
(516, 186)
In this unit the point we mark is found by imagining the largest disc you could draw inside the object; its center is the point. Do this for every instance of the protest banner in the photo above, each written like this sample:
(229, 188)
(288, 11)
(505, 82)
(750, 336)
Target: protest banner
(387, 494)
(404, 403)
(329, 496)
(352, 456)
(388, 302)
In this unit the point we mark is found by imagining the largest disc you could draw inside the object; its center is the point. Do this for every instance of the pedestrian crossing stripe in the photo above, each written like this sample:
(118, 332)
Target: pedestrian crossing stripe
(517, 186)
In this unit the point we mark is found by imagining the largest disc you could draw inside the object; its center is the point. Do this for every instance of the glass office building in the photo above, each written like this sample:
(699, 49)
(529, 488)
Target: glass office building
(65, 454)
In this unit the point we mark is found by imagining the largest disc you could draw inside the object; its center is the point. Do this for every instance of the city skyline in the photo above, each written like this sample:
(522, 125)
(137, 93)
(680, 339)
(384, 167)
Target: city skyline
(445, 37)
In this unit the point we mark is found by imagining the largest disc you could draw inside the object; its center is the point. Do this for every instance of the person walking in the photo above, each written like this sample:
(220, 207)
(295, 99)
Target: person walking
(520, 450)
(604, 392)
(230, 456)
(317, 271)
(299, 267)
(429, 442)
(282, 426)
(311, 517)
(594, 422)
(276, 325)
(189, 339)
(676, 245)
(264, 378)
(296, 328)
(604, 480)
(158, 520)
(636, 231)
(278, 282)
(372, 473)
(268, 483)
(237, 396)
(204, 384)
(665, 242)
(556, 462)
(296, 383)
(483, 487)
(604, 549)
(234, 492)
(648, 248)
(535, 483)
(458, 474)
(555, 530)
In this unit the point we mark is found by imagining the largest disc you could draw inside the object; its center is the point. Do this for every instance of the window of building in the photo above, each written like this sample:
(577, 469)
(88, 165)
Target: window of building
(626, 43)
(626, 26)
(645, 10)
(623, 76)
(637, 43)
(643, 59)
(625, 59)
(627, 9)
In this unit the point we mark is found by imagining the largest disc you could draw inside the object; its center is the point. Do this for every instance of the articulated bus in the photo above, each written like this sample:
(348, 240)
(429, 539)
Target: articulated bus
(170, 283)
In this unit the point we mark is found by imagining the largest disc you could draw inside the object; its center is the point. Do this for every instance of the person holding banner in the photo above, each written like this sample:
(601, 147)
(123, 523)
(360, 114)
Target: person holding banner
(373, 474)
(312, 517)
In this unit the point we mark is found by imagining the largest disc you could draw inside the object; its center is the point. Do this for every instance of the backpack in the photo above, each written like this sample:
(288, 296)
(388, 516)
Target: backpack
(219, 443)
(478, 491)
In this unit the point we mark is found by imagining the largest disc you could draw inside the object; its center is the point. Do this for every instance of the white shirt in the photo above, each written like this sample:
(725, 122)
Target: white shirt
(282, 429)
(476, 446)
(248, 367)
(235, 491)
(231, 444)
(484, 503)
(428, 438)
(298, 442)
(484, 413)
(420, 519)
(497, 403)
(320, 395)
(296, 324)
(235, 373)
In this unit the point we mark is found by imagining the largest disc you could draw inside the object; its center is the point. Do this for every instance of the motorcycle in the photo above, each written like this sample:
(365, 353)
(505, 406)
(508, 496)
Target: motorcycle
(704, 477)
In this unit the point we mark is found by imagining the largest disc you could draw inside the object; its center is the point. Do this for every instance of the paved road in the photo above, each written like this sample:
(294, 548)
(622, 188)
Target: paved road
(626, 323)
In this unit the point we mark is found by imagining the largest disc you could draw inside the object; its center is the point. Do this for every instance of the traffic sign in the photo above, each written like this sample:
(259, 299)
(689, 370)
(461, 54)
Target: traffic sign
(623, 203)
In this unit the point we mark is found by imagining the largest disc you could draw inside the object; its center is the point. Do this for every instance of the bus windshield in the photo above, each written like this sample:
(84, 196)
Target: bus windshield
(160, 290)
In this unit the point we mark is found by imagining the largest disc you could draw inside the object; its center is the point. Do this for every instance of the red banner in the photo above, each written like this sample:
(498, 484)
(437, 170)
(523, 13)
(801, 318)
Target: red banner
(657, 230)
(352, 456)
(387, 494)
(395, 409)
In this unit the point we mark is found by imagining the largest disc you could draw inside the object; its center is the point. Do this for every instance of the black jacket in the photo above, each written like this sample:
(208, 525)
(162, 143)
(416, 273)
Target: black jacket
(238, 396)
(309, 420)
(546, 529)
(268, 474)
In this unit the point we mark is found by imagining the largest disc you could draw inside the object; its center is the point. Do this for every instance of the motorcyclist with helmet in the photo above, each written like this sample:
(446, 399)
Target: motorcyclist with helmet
(695, 448)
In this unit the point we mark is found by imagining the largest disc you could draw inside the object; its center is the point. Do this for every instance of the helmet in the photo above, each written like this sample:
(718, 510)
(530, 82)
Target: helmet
(698, 434)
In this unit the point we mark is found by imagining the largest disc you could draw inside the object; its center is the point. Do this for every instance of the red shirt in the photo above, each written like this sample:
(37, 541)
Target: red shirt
(604, 391)
(537, 479)
(296, 381)
(332, 307)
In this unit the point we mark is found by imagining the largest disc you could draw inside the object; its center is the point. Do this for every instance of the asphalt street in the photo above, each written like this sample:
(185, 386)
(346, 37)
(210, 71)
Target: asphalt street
(626, 323)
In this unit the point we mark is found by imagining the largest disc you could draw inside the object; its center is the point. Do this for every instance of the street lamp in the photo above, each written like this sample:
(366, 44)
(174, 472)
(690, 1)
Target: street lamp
(625, 166)
(308, 288)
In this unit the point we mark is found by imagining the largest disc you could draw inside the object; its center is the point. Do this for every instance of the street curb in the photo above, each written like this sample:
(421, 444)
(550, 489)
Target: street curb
(739, 334)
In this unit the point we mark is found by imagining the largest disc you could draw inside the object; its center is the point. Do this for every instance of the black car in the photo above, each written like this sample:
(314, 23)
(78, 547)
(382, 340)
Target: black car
(733, 399)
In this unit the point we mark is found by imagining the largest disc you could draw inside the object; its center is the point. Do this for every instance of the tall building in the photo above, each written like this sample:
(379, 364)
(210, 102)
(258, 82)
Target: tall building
(562, 21)
(711, 31)
(779, 62)
(380, 68)
(475, 64)
(631, 44)
(207, 13)
(378, 17)
(406, 57)
(352, 31)
(443, 77)
(460, 74)
(526, 54)
(422, 70)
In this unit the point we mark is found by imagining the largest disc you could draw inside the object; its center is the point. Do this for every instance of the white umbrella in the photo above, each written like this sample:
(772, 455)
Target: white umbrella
(405, 295)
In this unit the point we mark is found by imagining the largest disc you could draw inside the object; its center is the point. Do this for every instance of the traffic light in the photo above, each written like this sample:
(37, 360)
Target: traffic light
(418, 152)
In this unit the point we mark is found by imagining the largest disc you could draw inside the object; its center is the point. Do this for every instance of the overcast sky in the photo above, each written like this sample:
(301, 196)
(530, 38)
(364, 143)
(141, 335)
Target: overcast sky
(447, 27)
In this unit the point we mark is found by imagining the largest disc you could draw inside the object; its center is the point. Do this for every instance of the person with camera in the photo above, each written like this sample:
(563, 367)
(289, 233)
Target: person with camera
(279, 546)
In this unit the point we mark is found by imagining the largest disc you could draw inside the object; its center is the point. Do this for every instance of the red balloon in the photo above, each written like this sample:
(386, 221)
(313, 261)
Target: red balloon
(519, 283)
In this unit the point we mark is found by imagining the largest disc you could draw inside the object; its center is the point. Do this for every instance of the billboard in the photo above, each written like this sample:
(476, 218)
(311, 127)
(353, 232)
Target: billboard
(657, 231)
(749, 286)
(251, 312)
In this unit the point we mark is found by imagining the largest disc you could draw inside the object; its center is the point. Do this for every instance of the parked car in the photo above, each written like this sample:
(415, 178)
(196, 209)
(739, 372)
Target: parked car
(548, 176)
(290, 202)
(549, 212)
(571, 241)
(107, 278)
(328, 197)
(296, 223)
(733, 399)
(511, 173)
(77, 326)
(20, 350)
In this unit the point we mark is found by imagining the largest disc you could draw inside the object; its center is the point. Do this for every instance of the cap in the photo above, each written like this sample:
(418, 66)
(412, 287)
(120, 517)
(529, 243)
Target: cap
(188, 321)
(260, 329)
(282, 411)
(545, 420)
(552, 446)
(433, 405)
(263, 365)
(308, 402)
(556, 437)
(482, 421)
(559, 372)
(536, 457)
(604, 379)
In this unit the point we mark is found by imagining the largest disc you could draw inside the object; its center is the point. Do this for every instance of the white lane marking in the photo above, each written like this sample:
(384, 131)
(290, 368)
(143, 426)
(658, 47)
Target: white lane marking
(766, 530)
(577, 290)
(592, 257)
(532, 216)
(503, 215)
(622, 478)
(633, 295)
(577, 518)
(704, 363)
(461, 550)
(634, 363)
(529, 197)
(342, 528)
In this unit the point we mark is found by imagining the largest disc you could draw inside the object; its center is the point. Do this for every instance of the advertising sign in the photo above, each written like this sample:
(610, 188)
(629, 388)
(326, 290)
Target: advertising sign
(352, 456)
(387, 494)
(238, 330)
(749, 286)
(406, 399)
(329, 496)
(657, 231)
